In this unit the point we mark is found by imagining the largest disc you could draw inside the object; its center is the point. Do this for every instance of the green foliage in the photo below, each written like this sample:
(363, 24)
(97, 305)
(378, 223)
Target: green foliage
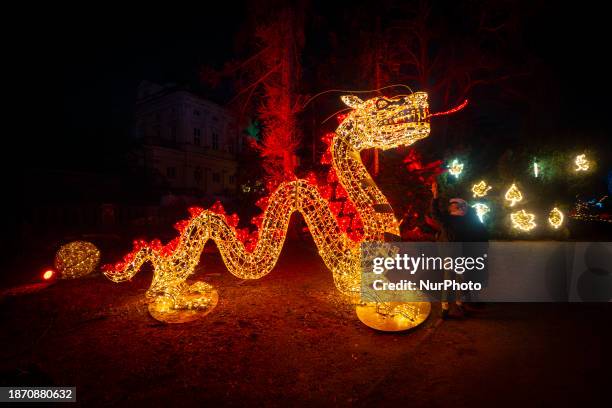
(253, 129)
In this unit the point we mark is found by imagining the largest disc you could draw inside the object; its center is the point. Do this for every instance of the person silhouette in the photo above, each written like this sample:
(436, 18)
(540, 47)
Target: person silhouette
(457, 223)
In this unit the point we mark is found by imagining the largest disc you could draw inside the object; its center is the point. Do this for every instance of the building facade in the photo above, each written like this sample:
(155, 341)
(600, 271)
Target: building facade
(187, 143)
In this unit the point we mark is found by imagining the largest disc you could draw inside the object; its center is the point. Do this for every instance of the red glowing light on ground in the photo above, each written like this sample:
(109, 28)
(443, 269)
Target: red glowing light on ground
(48, 274)
(450, 111)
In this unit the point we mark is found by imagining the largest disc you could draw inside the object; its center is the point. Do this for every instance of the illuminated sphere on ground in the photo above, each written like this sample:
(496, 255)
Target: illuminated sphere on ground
(76, 259)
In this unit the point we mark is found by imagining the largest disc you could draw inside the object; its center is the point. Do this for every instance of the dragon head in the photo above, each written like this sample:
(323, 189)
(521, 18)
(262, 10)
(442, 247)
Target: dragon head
(386, 123)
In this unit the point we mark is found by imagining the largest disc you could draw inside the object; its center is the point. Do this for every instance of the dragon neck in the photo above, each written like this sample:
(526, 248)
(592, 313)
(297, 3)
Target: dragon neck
(375, 211)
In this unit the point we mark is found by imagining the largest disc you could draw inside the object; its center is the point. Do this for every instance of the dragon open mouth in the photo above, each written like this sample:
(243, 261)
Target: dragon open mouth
(407, 116)
(418, 115)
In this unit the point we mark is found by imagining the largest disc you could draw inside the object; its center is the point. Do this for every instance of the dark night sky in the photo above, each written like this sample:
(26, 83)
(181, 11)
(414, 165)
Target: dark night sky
(84, 66)
(78, 71)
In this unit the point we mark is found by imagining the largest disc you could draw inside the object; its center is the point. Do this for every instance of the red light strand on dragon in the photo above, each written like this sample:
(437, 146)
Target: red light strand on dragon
(450, 111)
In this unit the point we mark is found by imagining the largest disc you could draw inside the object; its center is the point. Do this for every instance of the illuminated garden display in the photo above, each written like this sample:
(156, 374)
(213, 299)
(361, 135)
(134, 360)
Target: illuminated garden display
(513, 195)
(581, 162)
(510, 206)
(382, 123)
(523, 220)
(308, 203)
(77, 259)
(455, 168)
(480, 189)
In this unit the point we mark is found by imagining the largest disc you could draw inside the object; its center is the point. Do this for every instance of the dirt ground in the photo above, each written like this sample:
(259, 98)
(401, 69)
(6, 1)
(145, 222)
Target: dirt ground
(289, 340)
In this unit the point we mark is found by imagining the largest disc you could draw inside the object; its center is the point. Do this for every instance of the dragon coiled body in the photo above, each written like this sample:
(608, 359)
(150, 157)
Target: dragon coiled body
(376, 123)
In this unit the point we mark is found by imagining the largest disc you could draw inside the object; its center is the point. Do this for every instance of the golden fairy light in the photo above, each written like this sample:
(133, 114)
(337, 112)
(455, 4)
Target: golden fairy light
(480, 189)
(581, 162)
(382, 123)
(523, 220)
(513, 195)
(455, 168)
(76, 259)
(555, 218)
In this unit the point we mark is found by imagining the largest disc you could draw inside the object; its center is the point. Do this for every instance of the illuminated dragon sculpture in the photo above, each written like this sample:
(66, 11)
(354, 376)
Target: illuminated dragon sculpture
(380, 122)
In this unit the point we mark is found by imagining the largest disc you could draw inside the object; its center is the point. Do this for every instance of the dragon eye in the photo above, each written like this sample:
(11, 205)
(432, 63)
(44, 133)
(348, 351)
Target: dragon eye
(382, 103)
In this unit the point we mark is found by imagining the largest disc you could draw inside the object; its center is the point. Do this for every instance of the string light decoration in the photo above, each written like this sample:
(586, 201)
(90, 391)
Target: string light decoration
(583, 211)
(380, 122)
(536, 169)
(481, 210)
(523, 220)
(76, 259)
(450, 111)
(555, 218)
(581, 162)
(480, 189)
(455, 168)
(392, 316)
(513, 195)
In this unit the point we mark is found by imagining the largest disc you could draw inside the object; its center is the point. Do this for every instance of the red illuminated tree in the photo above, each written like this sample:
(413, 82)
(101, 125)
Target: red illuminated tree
(267, 84)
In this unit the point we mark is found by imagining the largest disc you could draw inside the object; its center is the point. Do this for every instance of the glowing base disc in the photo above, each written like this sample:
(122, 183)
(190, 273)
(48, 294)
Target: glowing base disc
(393, 316)
(190, 306)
